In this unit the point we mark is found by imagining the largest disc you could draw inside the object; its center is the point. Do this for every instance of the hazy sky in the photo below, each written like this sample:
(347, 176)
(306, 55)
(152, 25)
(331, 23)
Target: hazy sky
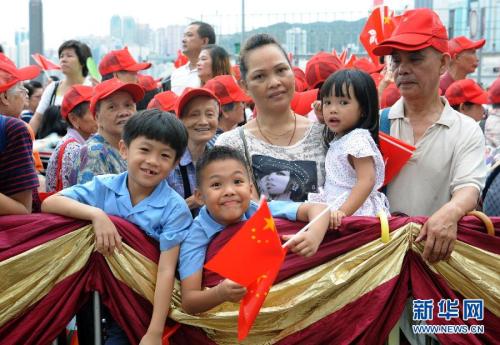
(66, 19)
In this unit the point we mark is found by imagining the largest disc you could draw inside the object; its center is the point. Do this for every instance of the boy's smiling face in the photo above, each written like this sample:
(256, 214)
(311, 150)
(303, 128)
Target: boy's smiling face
(225, 189)
(149, 162)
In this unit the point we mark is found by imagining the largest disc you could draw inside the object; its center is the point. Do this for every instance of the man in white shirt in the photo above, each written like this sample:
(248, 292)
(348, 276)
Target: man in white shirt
(196, 35)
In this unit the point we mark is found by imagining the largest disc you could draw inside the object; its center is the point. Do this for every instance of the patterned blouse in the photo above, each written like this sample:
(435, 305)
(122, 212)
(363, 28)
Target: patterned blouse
(70, 156)
(97, 157)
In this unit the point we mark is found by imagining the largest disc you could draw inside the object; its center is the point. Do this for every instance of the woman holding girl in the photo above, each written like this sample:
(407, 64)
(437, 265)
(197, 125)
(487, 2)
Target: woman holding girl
(277, 138)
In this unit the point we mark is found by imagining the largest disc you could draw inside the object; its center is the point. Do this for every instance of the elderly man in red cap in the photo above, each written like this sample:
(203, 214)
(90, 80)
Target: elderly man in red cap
(447, 171)
(463, 60)
(18, 178)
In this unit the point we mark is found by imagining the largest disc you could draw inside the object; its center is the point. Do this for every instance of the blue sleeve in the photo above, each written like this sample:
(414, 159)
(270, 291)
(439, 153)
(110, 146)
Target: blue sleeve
(192, 252)
(284, 209)
(176, 225)
(91, 193)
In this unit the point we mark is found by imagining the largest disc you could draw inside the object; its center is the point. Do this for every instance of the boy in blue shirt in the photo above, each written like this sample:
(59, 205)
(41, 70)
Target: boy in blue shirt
(225, 189)
(153, 142)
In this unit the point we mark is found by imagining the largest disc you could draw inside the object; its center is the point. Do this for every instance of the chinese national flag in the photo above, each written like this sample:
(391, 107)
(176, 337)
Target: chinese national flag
(181, 60)
(379, 26)
(396, 153)
(44, 63)
(251, 258)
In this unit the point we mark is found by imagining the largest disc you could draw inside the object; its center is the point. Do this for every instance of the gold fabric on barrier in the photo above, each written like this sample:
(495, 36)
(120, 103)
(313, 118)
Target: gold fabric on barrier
(29, 276)
(291, 305)
(135, 270)
(308, 297)
(472, 272)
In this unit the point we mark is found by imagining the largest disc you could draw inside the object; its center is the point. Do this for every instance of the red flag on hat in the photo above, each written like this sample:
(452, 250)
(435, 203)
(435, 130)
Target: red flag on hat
(396, 153)
(343, 56)
(251, 258)
(379, 26)
(44, 63)
(181, 59)
(350, 62)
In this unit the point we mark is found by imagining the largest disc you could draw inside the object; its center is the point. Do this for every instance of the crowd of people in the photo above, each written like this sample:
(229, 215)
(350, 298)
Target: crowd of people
(184, 162)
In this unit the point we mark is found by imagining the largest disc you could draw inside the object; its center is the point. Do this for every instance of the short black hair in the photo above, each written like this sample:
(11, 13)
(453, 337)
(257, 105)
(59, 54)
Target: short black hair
(155, 124)
(82, 51)
(215, 154)
(254, 42)
(365, 92)
(205, 30)
(31, 86)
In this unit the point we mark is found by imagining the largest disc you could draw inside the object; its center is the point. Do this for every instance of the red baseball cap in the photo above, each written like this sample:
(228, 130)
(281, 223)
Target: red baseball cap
(147, 82)
(120, 60)
(302, 101)
(367, 66)
(188, 94)
(461, 43)
(225, 88)
(466, 90)
(11, 75)
(300, 79)
(418, 29)
(165, 101)
(319, 67)
(110, 86)
(76, 94)
(494, 92)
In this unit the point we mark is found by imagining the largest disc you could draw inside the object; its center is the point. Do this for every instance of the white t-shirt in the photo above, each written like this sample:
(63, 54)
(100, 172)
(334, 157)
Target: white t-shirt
(284, 172)
(183, 77)
(46, 96)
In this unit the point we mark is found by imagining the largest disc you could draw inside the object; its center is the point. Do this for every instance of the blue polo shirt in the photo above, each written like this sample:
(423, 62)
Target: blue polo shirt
(204, 228)
(163, 215)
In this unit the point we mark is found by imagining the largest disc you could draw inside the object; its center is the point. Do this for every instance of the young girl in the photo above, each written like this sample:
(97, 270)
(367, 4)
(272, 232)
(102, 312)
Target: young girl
(354, 166)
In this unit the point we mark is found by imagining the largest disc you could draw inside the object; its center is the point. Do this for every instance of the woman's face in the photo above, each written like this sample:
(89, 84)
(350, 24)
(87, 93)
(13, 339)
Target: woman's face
(69, 62)
(276, 183)
(201, 119)
(35, 99)
(204, 65)
(270, 80)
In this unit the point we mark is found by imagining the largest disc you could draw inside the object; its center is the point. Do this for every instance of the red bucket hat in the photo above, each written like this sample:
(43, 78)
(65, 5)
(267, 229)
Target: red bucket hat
(302, 101)
(494, 92)
(461, 43)
(225, 88)
(319, 67)
(120, 60)
(76, 94)
(165, 101)
(11, 75)
(300, 79)
(466, 90)
(110, 86)
(147, 82)
(188, 94)
(418, 29)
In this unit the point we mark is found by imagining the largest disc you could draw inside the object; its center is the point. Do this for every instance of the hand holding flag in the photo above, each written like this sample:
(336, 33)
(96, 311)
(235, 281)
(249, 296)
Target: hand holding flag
(256, 247)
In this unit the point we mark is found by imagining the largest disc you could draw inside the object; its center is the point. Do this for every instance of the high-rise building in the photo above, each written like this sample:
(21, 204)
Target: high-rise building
(174, 34)
(144, 35)
(115, 27)
(129, 31)
(423, 4)
(296, 41)
(22, 55)
(36, 27)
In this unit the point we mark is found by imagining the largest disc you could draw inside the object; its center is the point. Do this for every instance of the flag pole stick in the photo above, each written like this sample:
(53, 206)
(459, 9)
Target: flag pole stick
(308, 225)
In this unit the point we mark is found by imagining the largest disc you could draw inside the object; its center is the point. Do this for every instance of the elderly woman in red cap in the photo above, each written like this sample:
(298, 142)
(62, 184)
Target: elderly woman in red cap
(447, 171)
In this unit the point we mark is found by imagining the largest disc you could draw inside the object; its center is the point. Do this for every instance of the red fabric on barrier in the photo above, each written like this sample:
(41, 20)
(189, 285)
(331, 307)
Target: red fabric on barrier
(429, 285)
(43, 321)
(354, 232)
